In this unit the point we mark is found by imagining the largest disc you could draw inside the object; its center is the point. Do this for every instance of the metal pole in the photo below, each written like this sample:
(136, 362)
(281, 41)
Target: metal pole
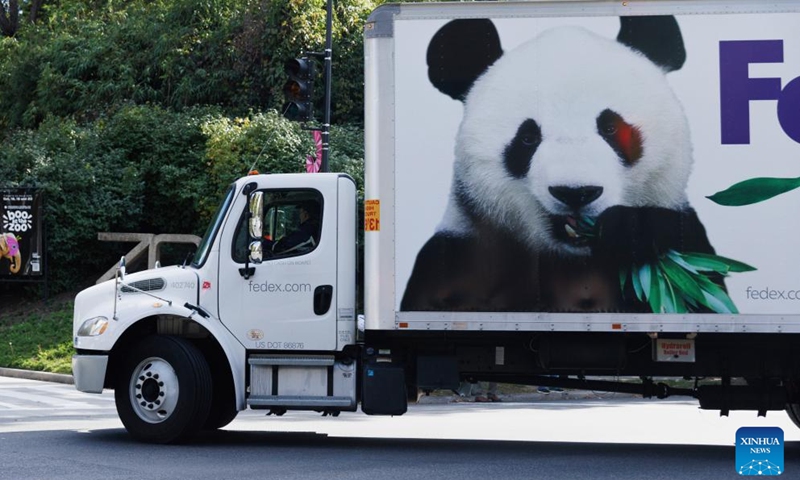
(326, 123)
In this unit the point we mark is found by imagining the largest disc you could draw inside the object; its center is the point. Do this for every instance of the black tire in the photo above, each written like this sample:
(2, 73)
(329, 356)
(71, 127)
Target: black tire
(793, 410)
(220, 415)
(223, 398)
(163, 393)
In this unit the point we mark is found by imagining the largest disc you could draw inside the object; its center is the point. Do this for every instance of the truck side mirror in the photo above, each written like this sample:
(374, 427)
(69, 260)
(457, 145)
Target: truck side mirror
(121, 269)
(256, 226)
(256, 252)
(256, 223)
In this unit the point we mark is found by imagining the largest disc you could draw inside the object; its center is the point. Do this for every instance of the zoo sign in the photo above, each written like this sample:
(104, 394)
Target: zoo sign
(21, 234)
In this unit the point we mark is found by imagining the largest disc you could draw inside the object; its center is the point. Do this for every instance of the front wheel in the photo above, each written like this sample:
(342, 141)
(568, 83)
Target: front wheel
(163, 394)
(223, 402)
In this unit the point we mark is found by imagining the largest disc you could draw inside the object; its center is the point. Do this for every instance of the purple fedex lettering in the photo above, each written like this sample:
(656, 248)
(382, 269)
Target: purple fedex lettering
(789, 109)
(737, 89)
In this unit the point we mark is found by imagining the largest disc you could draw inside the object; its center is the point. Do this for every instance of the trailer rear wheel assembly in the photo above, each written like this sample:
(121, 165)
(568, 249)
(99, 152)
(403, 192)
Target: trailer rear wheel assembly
(793, 410)
(164, 393)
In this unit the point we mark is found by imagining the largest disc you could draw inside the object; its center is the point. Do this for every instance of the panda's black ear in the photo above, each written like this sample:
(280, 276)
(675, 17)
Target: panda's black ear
(657, 37)
(460, 52)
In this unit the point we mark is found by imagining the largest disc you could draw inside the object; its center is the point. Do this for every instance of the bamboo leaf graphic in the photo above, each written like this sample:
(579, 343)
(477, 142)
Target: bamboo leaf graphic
(637, 284)
(654, 297)
(715, 263)
(677, 258)
(683, 280)
(754, 190)
(644, 278)
(717, 299)
(714, 303)
(667, 294)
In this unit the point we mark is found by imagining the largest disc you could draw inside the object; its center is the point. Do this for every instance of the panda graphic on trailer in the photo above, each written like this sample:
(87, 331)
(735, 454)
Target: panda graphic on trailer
(571, 163)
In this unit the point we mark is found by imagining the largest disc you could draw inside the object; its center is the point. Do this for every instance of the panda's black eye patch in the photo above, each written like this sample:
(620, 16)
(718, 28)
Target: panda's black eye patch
(624, 138)
(519, 152)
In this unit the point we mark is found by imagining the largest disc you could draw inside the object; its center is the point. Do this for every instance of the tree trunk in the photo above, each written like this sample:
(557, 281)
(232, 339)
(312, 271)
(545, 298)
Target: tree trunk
(35, 6)
(9, 20)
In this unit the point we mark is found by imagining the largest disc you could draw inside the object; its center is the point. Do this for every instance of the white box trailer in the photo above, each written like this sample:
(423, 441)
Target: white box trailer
(555, 192)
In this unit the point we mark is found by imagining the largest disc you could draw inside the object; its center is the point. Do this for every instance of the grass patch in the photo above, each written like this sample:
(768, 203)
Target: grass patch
(41, 341)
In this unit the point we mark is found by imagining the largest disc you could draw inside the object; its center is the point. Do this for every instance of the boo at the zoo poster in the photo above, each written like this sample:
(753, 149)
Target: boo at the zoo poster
(21, 243)
(598, 163)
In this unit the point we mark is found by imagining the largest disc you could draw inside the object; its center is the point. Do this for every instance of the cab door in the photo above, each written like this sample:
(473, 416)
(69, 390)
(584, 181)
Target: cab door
(288, 301)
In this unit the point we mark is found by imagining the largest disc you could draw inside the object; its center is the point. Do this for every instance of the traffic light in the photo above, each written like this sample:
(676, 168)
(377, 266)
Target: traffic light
(299, 89)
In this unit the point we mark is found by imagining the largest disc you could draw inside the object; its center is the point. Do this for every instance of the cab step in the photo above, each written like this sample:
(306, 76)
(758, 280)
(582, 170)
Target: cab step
(302, 382)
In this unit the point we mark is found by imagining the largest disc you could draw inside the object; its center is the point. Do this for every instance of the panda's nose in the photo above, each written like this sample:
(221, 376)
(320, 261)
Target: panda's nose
(576, 197)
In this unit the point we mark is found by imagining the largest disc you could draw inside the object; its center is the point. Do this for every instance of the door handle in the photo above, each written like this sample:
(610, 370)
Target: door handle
(323, 295)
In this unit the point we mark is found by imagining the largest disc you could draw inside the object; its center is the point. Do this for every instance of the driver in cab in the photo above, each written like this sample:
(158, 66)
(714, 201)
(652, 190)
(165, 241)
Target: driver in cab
(304, 238)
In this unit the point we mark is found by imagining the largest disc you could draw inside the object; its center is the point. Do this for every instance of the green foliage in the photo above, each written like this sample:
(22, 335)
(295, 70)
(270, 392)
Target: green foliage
(90, 61)
(88, 189)
(265, 142)
(147, 169)
(347, 153)
(19, 72)
(347, 100)
(135, 115)
(163, 153)
(43, 341)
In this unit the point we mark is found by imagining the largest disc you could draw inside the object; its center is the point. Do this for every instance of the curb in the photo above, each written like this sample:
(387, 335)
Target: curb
(34, 375)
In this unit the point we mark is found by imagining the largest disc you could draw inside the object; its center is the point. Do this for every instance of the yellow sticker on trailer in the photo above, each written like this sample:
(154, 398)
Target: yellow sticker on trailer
(372, 215)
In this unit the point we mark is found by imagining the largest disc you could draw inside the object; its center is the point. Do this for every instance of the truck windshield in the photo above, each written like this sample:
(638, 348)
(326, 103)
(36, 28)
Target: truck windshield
(204, 248)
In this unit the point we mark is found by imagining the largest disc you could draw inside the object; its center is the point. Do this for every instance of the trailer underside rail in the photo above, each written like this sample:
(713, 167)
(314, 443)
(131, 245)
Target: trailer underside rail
(596, 322)
(722, 396)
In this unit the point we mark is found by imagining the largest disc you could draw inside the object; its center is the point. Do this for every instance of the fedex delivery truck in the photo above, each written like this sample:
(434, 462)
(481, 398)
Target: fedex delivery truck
(557, 194)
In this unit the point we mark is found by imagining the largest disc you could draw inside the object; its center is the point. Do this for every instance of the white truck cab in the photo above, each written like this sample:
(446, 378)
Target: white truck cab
(264, 315)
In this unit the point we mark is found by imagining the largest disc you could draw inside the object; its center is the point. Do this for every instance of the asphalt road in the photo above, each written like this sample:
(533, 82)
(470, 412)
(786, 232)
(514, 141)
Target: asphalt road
(50, 431)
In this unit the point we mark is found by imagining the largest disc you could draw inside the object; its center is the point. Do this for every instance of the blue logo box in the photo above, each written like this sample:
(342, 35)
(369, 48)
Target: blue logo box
(759, 451)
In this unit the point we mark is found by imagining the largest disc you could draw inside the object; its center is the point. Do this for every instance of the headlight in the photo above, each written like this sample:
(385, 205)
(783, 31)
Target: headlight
(93, 327)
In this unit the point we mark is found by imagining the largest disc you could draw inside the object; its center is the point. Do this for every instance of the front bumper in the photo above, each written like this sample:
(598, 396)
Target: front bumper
(89, 372)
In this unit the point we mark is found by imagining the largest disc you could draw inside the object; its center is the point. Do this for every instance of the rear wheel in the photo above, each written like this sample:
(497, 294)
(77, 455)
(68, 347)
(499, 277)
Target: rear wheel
(164, 392)
(793, 395)
(793, 409)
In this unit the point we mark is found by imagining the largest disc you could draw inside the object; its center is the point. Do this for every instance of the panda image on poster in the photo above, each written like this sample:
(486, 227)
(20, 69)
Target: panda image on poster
(571, 164)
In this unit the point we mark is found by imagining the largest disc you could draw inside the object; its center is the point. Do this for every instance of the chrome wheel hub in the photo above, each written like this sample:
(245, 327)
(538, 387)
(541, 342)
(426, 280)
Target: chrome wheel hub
(154, 390)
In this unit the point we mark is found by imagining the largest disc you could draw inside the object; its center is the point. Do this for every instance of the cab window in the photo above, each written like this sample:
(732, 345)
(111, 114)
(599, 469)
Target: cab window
(292, 225)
